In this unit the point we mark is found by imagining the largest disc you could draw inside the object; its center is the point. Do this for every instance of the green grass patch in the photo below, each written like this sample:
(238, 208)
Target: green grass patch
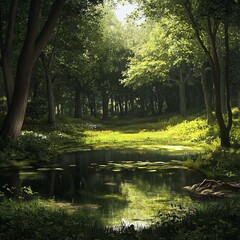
(34, 220)
(194, 133)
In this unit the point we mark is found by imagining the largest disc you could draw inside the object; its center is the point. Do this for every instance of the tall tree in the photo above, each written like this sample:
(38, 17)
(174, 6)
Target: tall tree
(33, 44)
(208, 19)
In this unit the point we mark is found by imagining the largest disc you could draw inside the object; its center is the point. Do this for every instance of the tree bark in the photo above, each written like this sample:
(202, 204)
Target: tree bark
(227, 76)
(50, 95)
(212, 29)
(224, 129)
(206, 96)
(31, 49)
(6, 50)
(182, 96)
(77, 113)
(126, 104)
(151, 99)
(223, 85)
(105, 100)
(142, 106)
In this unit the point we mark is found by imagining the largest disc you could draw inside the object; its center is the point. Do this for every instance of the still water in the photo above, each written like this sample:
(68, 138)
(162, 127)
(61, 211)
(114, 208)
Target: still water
(125, 185)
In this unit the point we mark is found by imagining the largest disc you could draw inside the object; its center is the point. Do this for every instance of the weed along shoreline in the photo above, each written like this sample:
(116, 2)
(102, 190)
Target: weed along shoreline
(117, 180)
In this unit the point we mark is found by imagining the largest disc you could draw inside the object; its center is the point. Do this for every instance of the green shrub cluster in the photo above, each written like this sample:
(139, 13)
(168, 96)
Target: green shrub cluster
(31, 145)
(37, 108)
(29, 220)
(12, 193)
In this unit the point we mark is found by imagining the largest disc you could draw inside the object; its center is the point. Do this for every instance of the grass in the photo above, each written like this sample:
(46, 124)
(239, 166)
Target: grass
(37, 219)
(194, 133)
(32, 220)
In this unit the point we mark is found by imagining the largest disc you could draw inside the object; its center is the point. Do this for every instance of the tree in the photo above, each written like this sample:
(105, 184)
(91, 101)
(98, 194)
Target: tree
(33, 44)
(111, 54)
(209, 20)
(168, 56)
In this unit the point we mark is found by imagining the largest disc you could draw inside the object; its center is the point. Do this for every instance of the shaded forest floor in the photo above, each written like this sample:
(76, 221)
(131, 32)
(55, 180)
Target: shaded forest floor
(189, 135)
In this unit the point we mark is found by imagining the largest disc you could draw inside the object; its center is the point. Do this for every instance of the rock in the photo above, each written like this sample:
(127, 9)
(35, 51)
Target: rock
(214, 189)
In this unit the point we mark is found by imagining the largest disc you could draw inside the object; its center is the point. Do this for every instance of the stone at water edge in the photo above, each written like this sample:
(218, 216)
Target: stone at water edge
(214, 188)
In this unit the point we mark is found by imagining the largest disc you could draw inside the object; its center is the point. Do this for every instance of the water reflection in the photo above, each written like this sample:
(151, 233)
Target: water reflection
(121, 184)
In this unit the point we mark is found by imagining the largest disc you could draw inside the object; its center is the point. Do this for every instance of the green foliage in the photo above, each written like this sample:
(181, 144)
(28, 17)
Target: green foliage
(3, 105)
(37, 108)
(216, 220)
(31, 144)
(21, 220)
(167, 52)
(12, 193)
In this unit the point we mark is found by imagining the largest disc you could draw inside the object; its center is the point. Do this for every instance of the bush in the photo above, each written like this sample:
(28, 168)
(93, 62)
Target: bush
(36, 108)
(30, 220)
(25, 193)
(30, 145)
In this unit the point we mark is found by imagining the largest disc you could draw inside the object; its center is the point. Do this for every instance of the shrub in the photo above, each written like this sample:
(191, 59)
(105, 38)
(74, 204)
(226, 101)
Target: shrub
(37, 108)
(30, 145)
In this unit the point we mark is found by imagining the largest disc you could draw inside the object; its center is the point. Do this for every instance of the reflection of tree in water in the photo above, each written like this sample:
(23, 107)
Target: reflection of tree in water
(120, 186)
(144, 204)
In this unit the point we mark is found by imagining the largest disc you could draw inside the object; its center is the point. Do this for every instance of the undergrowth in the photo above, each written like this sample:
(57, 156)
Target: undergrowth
(29, 219)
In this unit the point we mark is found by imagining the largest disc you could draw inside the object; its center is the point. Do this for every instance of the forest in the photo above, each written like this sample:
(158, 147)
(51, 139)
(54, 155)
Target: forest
(119, 119)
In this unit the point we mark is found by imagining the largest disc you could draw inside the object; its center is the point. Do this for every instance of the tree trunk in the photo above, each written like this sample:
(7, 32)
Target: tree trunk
(212, 29)
(8, 79)
(6, 50)
(50, 95)
(94, 106)
(31, 50)
(36, 84)
(91, 103)
(142, 106)
(77, 113)
(16, 113)
(227, 76)
(126, 105)
(206, 96)
(224, 133)
(151, 99)
(132, 103)
(51, 104)
(223, 86)
(105, 101)
(182, 96)
(120, 102)
(112, 106)
(13, 122)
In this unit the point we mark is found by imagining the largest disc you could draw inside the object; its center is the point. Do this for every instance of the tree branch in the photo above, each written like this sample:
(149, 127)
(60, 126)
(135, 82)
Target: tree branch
(187, 6)
(32, 26)
(10, 28)
(54, 46)
(48, 27)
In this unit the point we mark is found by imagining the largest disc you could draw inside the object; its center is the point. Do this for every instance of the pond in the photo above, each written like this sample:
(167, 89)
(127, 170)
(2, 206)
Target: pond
(124, 186)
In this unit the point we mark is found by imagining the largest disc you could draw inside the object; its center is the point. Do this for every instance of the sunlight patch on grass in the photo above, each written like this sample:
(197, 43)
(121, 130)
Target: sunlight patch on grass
(185, 136)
